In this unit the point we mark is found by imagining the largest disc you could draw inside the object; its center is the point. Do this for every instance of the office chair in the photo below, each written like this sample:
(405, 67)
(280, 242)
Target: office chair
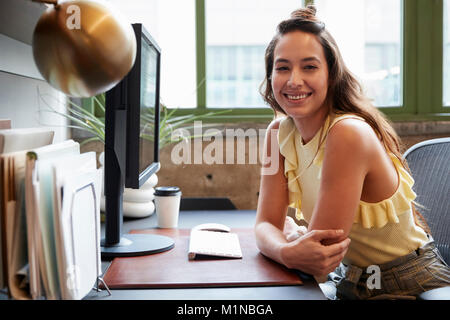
(206, 204)
(429, 162)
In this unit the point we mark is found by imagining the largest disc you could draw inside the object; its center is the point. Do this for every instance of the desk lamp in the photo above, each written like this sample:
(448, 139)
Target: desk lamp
(83, 48)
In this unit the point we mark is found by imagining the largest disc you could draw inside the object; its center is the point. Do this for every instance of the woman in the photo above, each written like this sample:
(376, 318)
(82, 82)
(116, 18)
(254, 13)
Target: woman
(341, 168)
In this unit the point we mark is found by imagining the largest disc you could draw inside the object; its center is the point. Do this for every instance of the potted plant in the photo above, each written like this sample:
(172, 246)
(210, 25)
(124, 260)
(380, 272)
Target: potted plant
(136, 202)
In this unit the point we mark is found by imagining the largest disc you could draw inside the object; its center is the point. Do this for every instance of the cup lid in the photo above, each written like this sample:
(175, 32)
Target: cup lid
(167, 191)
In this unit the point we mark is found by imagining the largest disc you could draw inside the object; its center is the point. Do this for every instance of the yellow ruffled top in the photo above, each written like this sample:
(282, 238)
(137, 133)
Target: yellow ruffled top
(381, 231)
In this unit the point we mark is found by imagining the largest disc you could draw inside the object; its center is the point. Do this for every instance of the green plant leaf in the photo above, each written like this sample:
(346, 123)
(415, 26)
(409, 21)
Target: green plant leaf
(89, 122)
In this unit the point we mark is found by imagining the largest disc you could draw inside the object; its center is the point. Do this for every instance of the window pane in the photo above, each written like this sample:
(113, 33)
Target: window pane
(172, 25)
(237, 33)
(368, 33)
(446, 53)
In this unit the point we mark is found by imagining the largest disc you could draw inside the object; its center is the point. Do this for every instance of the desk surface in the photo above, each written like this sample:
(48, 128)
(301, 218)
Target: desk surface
(234, 219)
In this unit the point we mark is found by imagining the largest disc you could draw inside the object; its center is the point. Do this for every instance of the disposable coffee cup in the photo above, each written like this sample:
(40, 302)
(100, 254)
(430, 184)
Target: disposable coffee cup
(167, 203)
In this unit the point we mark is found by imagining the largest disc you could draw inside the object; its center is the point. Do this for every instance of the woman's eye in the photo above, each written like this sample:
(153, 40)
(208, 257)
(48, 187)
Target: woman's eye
(281, 68)
(310, 67)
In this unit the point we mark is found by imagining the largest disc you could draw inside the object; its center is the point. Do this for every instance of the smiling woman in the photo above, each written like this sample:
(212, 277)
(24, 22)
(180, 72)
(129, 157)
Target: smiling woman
(300, 80)
(341, 169)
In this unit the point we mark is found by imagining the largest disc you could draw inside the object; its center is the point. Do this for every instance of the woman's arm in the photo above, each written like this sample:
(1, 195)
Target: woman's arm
(348, 154)
(273, 198)
(306, 253)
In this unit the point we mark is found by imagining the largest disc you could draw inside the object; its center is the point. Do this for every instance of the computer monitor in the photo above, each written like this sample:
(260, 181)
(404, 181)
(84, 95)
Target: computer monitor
(143, 111)
(132, 147)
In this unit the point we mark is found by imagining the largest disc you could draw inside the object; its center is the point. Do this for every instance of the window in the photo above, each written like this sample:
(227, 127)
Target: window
(237, 34)
(172, 25)
(213, 52)
(446, 85)
(368, 34)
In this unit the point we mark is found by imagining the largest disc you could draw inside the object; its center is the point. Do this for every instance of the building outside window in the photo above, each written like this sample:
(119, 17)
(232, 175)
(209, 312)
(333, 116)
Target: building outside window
(213, 51)
(368, 33)
(237, 33)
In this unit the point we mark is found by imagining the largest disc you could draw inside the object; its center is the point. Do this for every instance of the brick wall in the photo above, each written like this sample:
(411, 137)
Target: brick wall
(238, 178)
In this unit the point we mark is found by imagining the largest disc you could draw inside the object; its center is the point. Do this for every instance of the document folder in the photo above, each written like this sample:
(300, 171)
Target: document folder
(50, 222)
(40, 212)
(79, 235)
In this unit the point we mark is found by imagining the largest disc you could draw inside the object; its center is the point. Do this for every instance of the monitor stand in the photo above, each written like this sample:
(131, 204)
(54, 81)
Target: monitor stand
(129, 245)
(132, 245)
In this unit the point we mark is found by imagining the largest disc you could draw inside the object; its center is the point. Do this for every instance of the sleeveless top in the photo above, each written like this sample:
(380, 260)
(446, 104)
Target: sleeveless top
(381, 231)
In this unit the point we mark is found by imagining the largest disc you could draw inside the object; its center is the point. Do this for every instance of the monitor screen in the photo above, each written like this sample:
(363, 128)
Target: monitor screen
(149, 60)
(143, 111)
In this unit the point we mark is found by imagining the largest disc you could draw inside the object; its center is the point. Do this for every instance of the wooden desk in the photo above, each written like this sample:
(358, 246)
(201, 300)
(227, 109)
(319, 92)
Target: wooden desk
(234, 219)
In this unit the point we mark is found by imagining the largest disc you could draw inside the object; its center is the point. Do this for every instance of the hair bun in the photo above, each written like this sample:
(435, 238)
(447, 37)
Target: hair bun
(308, 13)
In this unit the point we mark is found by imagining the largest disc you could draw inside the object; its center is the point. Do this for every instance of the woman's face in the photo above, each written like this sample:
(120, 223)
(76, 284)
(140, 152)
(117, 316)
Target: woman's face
(300, 74)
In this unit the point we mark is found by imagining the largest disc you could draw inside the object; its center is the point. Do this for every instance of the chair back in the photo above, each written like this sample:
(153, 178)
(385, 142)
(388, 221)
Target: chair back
(429, 162)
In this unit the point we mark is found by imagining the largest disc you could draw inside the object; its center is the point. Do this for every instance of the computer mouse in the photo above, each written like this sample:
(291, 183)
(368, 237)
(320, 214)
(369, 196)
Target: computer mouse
(218, 227)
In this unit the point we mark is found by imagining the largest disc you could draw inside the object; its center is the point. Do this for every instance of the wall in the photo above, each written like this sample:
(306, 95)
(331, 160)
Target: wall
(240, 182)
(19, 78)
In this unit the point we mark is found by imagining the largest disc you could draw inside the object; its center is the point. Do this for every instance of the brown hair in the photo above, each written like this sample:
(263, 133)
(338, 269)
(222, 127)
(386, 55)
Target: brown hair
(345, 94)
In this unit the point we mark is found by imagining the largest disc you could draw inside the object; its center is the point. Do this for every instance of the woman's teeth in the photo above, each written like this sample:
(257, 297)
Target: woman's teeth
(302, 96)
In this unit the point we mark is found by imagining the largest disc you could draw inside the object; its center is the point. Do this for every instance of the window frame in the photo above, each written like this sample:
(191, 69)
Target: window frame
(422, 68)
(422, 63)
(263, 114)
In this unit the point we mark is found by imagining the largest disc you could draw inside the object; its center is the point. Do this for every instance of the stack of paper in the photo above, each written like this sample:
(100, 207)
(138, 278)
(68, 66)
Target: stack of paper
(53, 243)
(13, 146)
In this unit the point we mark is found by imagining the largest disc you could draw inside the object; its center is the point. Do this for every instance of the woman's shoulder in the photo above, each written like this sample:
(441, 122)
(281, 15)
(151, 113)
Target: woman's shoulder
(346, 120)
(275, 123)
(279, 122)
(352, 131)
(350, 124)
(282, 128)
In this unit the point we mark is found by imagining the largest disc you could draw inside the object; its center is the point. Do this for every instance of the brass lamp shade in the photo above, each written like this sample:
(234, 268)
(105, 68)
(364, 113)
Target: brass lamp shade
(83, 48)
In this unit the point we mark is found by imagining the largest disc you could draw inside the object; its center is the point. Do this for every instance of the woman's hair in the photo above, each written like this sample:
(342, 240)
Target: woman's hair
(345, 94)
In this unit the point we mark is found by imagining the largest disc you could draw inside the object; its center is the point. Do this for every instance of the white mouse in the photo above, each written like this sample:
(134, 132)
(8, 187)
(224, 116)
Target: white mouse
(218, 227)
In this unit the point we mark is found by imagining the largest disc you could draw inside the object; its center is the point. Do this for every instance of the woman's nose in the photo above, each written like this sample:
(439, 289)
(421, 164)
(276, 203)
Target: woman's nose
(296, 79)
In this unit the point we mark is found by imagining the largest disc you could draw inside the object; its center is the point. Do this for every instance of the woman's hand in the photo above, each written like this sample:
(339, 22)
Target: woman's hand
(309, 255)
(292, 230)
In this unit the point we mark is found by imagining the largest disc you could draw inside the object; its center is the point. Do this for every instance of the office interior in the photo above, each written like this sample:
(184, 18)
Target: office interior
(213, 60)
